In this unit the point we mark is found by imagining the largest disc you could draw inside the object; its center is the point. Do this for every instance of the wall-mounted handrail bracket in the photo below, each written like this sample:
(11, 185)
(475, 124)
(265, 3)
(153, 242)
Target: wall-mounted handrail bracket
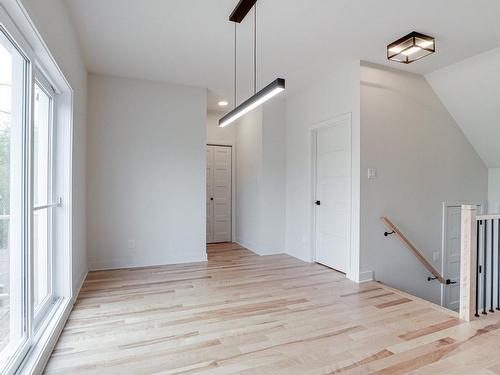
(431, 278)
(388, 233)
(414, 250)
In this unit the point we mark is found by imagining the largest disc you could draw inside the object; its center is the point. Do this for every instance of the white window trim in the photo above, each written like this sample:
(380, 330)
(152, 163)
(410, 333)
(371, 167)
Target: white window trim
(21, 27)
(42, 311)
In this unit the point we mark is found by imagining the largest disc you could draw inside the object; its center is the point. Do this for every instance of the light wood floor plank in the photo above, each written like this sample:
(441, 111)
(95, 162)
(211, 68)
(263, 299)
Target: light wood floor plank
(240, 313)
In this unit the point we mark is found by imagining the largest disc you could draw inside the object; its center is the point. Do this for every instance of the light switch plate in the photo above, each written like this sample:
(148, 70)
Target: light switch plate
(435, 256)
(372, 173)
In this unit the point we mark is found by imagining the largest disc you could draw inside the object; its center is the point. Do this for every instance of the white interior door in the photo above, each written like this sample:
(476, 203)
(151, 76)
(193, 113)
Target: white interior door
(333, 195)
(450, 295)
(219, 194)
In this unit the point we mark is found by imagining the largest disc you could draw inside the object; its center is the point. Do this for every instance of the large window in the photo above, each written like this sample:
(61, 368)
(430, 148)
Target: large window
(35, 237)
(14, 127)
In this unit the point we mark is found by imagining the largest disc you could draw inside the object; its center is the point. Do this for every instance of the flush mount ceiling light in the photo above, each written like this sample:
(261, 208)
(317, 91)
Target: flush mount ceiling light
(411, 47)
(223, 103)
(258, 98)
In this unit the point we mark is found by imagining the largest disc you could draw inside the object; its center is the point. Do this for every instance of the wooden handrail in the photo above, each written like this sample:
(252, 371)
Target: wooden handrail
(413, 250)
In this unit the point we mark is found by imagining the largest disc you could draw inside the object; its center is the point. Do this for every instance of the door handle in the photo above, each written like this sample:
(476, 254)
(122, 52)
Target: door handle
(211, 199)
(448, 282)
(317, 203)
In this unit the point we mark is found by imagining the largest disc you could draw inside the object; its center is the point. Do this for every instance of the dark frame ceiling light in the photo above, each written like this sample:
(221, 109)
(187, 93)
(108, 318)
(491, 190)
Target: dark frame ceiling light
(258, 98)
(411, 47)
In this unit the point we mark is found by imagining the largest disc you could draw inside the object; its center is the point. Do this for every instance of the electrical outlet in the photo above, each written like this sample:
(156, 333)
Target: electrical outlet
(131, 244)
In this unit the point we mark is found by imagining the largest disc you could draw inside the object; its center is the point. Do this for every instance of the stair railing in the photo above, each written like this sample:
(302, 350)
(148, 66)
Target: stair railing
(479, 264)
(417, 253)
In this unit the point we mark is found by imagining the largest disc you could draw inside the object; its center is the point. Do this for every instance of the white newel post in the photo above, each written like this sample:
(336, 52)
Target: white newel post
(468, 263)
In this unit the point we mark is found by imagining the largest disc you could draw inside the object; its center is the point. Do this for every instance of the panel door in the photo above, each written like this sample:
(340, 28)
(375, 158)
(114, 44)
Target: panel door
(219, 193)
(451, 255)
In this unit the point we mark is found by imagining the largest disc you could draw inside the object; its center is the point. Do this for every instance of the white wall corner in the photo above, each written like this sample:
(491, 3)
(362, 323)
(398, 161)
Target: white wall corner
(79, 285)
(366, 276)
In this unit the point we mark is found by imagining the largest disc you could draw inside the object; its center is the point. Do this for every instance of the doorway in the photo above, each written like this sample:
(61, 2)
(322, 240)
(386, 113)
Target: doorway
(332, 193)
(450, 269)
(219, 193)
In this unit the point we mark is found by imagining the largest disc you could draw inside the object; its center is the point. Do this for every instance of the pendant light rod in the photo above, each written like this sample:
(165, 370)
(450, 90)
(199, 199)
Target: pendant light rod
(258, 98)
(235, 70)
(255, 49)
(239, 13)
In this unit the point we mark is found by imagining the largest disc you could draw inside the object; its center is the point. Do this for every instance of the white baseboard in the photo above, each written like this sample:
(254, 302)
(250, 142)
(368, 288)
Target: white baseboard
(79, 285)
(366, 276)
(259, 249)
(111, 264)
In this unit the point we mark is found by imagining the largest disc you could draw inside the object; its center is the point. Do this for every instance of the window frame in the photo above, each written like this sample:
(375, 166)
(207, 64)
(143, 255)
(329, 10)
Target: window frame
(11, 33)
(42, 311)
(39, 339)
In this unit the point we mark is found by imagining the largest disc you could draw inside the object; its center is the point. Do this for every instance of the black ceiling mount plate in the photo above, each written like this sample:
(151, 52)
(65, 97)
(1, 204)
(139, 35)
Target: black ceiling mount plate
(241, 10)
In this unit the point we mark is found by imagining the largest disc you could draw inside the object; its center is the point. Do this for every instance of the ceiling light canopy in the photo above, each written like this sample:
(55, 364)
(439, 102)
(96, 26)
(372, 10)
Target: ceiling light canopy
(274, 88)
(262, 96)
(411, 47)
(241, 10)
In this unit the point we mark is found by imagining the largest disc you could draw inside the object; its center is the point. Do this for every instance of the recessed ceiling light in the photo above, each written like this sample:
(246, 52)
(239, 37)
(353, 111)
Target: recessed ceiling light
(411, 47)
(223, 103)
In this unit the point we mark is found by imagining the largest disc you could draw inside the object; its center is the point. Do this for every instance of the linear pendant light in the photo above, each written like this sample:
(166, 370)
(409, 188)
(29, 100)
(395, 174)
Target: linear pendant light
(271, 90)
(262, 96)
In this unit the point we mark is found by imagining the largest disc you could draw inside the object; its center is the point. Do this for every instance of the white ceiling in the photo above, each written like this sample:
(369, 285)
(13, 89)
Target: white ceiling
(191, 41)
(470, 90)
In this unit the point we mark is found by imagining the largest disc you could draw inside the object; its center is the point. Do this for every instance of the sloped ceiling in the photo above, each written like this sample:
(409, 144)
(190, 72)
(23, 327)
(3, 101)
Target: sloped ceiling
(470, 90)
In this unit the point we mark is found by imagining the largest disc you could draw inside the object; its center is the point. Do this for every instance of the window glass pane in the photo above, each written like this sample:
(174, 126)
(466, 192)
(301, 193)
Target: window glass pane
(41, 147)
(12, 168)
(42, 196)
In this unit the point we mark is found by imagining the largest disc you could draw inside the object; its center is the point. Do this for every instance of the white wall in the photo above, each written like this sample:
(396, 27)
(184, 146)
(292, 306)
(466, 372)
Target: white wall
(260, 196)
(335, 95)
(494, 190)
(248, 179)
(273, 181)
(226, 137)
(146, 173)
(217, 135)
(422, 159)
(52, 21)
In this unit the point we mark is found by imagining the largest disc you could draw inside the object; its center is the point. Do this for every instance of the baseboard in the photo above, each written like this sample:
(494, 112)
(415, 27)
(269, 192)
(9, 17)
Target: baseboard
(258, 249)
(138, 262)
(81, 280)
(366, 276)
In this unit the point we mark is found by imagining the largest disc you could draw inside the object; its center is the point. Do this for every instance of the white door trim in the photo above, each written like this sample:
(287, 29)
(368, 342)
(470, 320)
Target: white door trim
(444, 255)
(347, 117)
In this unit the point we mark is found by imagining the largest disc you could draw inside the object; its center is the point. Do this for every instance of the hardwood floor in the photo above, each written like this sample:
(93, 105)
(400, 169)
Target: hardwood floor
(241, 313)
